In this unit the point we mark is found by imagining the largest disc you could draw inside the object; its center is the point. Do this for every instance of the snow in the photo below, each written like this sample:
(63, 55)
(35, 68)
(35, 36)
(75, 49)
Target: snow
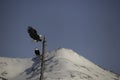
(60, 64)
(11, 67)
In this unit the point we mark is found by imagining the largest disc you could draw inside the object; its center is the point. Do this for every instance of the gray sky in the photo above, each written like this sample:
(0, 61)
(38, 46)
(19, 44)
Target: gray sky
(90, 27)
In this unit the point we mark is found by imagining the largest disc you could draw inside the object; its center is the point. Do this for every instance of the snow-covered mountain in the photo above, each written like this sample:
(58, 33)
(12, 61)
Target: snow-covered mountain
(60, 64)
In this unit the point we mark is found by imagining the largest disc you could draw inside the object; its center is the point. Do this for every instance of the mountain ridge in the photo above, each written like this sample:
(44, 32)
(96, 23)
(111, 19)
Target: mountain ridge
(63, 64)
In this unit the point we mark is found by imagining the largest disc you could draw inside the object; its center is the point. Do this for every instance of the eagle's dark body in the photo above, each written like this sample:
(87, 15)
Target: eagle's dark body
(33, 34)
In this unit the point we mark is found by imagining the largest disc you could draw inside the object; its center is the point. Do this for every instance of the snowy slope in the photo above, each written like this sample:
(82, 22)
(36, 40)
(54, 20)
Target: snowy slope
(60, 64)
(11, 67)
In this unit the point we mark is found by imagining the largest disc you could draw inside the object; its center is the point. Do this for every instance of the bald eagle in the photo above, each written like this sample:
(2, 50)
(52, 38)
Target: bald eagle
(37, 52)
(33, 34)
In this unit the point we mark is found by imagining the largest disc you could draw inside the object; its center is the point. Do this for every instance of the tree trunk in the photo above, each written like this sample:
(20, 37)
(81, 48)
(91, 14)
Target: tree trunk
(43, 59)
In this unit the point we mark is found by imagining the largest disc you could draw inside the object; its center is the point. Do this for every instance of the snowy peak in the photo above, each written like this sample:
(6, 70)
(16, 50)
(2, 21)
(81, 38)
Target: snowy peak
(68, 63)
(60, 64)
(67, 56)
(70, 55)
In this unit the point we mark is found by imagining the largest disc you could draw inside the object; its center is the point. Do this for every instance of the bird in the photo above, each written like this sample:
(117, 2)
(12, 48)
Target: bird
(33, 34)
(37, 52)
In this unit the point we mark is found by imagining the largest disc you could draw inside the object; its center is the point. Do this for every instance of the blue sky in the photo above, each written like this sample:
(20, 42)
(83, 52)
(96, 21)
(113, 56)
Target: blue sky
(90, 27)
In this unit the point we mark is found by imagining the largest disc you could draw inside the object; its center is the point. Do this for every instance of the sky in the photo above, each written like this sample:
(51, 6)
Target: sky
(89, 27)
